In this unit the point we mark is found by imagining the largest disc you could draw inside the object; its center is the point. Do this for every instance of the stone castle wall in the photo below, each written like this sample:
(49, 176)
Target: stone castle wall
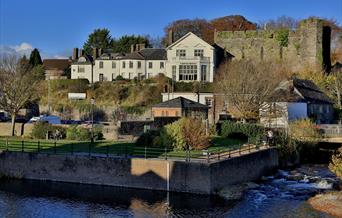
(305, 47)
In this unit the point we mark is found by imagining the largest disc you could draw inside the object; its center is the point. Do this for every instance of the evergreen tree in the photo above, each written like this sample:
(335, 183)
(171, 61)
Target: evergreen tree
(124, 43)
(100, 38)
(35, 58)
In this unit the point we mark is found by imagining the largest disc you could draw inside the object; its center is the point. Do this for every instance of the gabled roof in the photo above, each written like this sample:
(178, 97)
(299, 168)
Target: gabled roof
(185, 36)
(153, 53)
(56, 64)
(300, 90)
(181, 102)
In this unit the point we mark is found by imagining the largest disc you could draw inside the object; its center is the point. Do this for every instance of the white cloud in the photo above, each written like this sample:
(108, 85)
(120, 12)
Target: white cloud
(25, 48)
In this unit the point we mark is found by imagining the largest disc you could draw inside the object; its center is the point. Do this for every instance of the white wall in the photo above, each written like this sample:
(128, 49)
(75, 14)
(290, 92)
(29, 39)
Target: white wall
(297, 111)
(87, 74)
(189, 44)
(285, 112)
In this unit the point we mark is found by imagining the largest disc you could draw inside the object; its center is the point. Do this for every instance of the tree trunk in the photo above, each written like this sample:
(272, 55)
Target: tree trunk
(13, 116)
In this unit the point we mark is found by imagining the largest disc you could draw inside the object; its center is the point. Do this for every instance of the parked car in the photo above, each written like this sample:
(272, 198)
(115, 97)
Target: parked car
(47, 119)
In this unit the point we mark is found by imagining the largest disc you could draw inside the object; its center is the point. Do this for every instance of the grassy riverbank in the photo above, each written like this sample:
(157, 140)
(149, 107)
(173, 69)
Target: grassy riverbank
(126, 148)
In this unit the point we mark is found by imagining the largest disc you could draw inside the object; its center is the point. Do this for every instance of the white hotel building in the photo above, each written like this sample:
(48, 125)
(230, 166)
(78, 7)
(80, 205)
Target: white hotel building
(188, 59)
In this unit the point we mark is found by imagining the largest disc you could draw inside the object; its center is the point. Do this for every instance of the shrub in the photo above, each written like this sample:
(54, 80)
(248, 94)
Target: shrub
(75, 132)
(171, 135)
(119, 77)
(252, 131)
(304, 130)
(336, 163)
(41, 129)
(195, 134)
(183, 133)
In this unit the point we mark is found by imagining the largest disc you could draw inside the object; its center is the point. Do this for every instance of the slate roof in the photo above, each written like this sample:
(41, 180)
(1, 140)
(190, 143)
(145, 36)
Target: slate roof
(299, 90)
(56, 64)
(153, 53)
(181, 102)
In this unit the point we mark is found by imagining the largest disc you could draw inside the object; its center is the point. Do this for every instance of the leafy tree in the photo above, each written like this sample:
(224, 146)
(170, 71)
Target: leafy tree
(123, 44)
(17, 86)
(35, 58)
(205, 29)
(233, 23)
(100, 38)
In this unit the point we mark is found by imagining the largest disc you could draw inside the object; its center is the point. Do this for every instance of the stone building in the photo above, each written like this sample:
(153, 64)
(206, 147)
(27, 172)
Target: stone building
(307, 47)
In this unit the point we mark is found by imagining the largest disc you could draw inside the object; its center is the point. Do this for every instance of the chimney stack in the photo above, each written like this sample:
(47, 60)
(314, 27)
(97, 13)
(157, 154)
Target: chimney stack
(100, 51)
(170, 37)
(95, 53)
(75, 54)
(81, 52)
(142, 46)
(132, 48)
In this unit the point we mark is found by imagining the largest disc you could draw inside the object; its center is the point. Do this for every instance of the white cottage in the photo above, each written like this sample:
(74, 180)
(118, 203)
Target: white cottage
(297, 99)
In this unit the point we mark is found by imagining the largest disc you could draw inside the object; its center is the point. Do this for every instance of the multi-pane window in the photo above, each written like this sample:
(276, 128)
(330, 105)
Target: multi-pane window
(161, 65)
(123, 64)
(198, 52)
(101, 77)
(188, 72)
(113, 76)
(180, 53)
(101, 64)
(209, 102)
(81, 69)
(130, 76)
(203, 72)
(113, 64)
(131, 64)
(150, 65)
(139, 64)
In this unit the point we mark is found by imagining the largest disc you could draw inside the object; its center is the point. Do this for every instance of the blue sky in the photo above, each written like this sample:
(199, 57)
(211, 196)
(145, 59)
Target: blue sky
(56, 26)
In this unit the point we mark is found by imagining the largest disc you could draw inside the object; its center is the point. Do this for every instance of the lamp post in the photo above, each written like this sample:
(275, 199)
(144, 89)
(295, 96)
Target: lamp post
(92, 102)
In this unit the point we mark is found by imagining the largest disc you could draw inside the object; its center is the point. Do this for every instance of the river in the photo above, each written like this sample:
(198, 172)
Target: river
(283, 194)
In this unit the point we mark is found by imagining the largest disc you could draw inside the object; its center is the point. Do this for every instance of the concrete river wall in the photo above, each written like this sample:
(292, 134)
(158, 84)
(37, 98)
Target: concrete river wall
(167, 175)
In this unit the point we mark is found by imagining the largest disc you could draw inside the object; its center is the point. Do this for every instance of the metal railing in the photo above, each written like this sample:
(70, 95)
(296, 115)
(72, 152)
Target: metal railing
(127, 150)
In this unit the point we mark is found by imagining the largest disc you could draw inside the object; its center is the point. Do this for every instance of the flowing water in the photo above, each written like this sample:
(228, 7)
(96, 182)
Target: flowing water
(281, 195)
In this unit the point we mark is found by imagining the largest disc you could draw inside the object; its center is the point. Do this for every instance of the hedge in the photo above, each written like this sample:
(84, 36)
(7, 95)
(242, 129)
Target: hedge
(254, 132)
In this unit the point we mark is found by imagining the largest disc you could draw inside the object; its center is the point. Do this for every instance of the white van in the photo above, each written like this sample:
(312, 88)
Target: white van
(47, 119)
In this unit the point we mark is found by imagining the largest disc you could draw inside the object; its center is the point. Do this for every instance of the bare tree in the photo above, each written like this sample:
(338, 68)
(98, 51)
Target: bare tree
(336, 87)
(247, 85)
(17, 86)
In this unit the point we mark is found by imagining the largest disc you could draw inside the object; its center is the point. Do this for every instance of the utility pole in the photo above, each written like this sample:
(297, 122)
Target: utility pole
(49, 89)
(92, 101)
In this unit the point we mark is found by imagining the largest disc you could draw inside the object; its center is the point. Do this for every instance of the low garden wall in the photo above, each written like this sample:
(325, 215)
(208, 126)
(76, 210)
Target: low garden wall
(157, 174)
(20, 129)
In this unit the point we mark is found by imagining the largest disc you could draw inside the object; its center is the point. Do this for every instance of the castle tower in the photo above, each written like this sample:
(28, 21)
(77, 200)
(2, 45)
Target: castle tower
(315, 44)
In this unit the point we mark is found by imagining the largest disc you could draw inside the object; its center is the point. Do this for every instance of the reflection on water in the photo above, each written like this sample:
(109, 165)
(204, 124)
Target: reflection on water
(28, 198)
(281, 195)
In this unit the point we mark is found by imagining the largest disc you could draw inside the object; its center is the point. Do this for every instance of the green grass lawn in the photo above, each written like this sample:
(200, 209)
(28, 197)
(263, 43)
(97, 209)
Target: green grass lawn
(113, 148)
